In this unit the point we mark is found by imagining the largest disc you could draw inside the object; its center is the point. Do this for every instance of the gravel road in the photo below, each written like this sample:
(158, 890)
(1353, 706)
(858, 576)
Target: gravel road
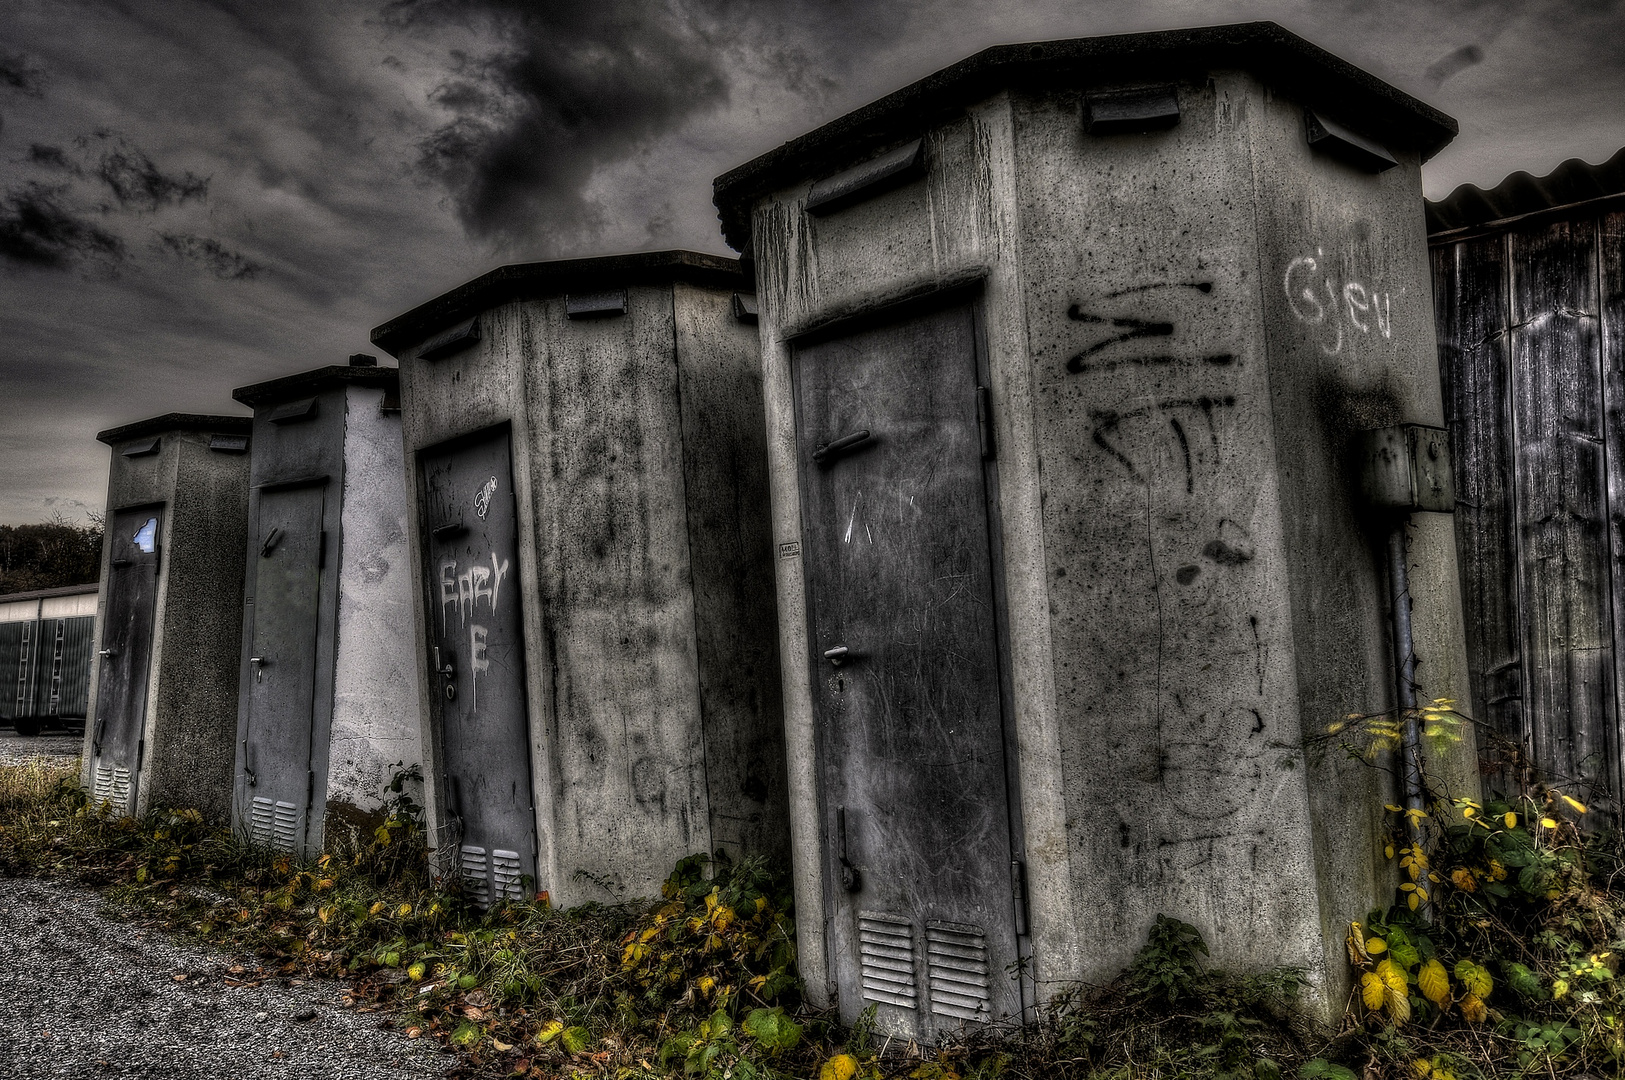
(16, 749)
(84, 994)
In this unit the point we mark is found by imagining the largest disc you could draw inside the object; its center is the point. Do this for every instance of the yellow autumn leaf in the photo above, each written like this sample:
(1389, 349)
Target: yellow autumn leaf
(1548, 823)
(1392, 975)
(376, 908)
(1576, 803)
(1463, 879)
(1420, 1067)
(403, 911)
(1497, 871)
(1414, 901)
(1474, 978)
(1510, 820)
(1399, 1007)
(1358, 957)
(1392, 809)
(549, 1032)
(1473, 1009)
(839, 1067)
(1375, 946)
(1388, 851)
(1434, 982)
(1372, 991)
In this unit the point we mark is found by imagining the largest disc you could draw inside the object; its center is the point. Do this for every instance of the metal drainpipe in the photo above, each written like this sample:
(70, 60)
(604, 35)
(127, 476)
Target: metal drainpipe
(1399, 589)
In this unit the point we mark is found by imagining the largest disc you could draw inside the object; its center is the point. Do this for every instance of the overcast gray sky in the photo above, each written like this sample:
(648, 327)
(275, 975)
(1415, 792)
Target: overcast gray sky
(199, 195)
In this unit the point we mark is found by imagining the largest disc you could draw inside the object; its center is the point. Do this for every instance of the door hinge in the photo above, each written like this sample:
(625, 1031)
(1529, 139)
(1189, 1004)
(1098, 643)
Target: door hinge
(1018, 886)
(140, 754)
(984, 421)
(310, 787)
(321, 551)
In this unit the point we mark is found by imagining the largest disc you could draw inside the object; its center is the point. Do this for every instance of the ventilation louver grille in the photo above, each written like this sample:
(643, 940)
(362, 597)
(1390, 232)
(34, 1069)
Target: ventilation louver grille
(274, 824)
(886, 955)
(476, 879)
(112, 786)
(956, 961)
(505, 868)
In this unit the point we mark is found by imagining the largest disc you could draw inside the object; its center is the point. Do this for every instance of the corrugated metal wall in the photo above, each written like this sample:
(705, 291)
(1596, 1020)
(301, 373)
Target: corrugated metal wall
(1530, 319)
(45, 667)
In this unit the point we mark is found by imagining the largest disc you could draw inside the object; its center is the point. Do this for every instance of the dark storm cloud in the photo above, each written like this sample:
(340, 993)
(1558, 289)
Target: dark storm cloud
(136, 182)
(211, 254)
(52, 157)
(37, 229)
(1455, 63)
(18, 75)
(577, 87)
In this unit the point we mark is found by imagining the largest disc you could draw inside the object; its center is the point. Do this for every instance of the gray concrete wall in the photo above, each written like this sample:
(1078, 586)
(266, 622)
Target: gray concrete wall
(374, 730)
(192, 689)
(607, 467)
(1171, 616)
(1191, 594)
(193, 716)
(730, 545)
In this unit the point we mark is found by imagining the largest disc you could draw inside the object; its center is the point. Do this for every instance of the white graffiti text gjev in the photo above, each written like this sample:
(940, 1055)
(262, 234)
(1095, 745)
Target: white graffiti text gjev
(463, 592)
(1317, 301)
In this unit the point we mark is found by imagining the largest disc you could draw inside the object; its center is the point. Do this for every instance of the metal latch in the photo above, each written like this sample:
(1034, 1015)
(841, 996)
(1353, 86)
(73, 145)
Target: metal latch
(447, 670)
(248, 764)
(830, 450)
(271, 540)
(1018, 886)
(836, 655)
(258, 664)
(851, 879)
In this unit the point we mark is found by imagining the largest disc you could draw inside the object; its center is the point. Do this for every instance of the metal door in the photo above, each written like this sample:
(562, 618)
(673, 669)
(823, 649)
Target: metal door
(892, 446)
(125, 656)
(477, 656)
(275, 783)
(73, 677)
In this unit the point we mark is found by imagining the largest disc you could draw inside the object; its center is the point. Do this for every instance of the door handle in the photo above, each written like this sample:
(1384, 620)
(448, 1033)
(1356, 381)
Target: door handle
(851, 880)
(831, 450)
(272, 538)
(258, 664)
(106, 652)
(836, 655)
(447, 670)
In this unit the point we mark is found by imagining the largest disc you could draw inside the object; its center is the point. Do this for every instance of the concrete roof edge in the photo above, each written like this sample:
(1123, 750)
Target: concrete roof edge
(1316, 77)
(157, 425)
(1520, 194)
(290, 386)
(46, 594)
(518, 280)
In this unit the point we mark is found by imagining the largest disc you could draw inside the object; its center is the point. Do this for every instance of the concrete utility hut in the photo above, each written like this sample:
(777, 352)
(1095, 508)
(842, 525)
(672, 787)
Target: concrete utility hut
(1065, 352)
(599, 672)
(328, 709)
(163, 690)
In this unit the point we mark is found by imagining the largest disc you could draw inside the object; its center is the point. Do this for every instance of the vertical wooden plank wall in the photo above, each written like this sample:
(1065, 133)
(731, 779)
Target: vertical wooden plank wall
(1539, 435)
(1611, 347)
(1470, 279)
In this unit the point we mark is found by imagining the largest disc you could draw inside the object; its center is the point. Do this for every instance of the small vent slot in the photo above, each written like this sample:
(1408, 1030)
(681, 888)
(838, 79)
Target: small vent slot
(886, 957)
(121, 789)
(956, 961)
(505, 868)
(286, 823)
(476, 875)
(102, 791)
(262, 820)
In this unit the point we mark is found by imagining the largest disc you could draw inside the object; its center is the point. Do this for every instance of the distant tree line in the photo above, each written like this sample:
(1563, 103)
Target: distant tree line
(49, 555)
